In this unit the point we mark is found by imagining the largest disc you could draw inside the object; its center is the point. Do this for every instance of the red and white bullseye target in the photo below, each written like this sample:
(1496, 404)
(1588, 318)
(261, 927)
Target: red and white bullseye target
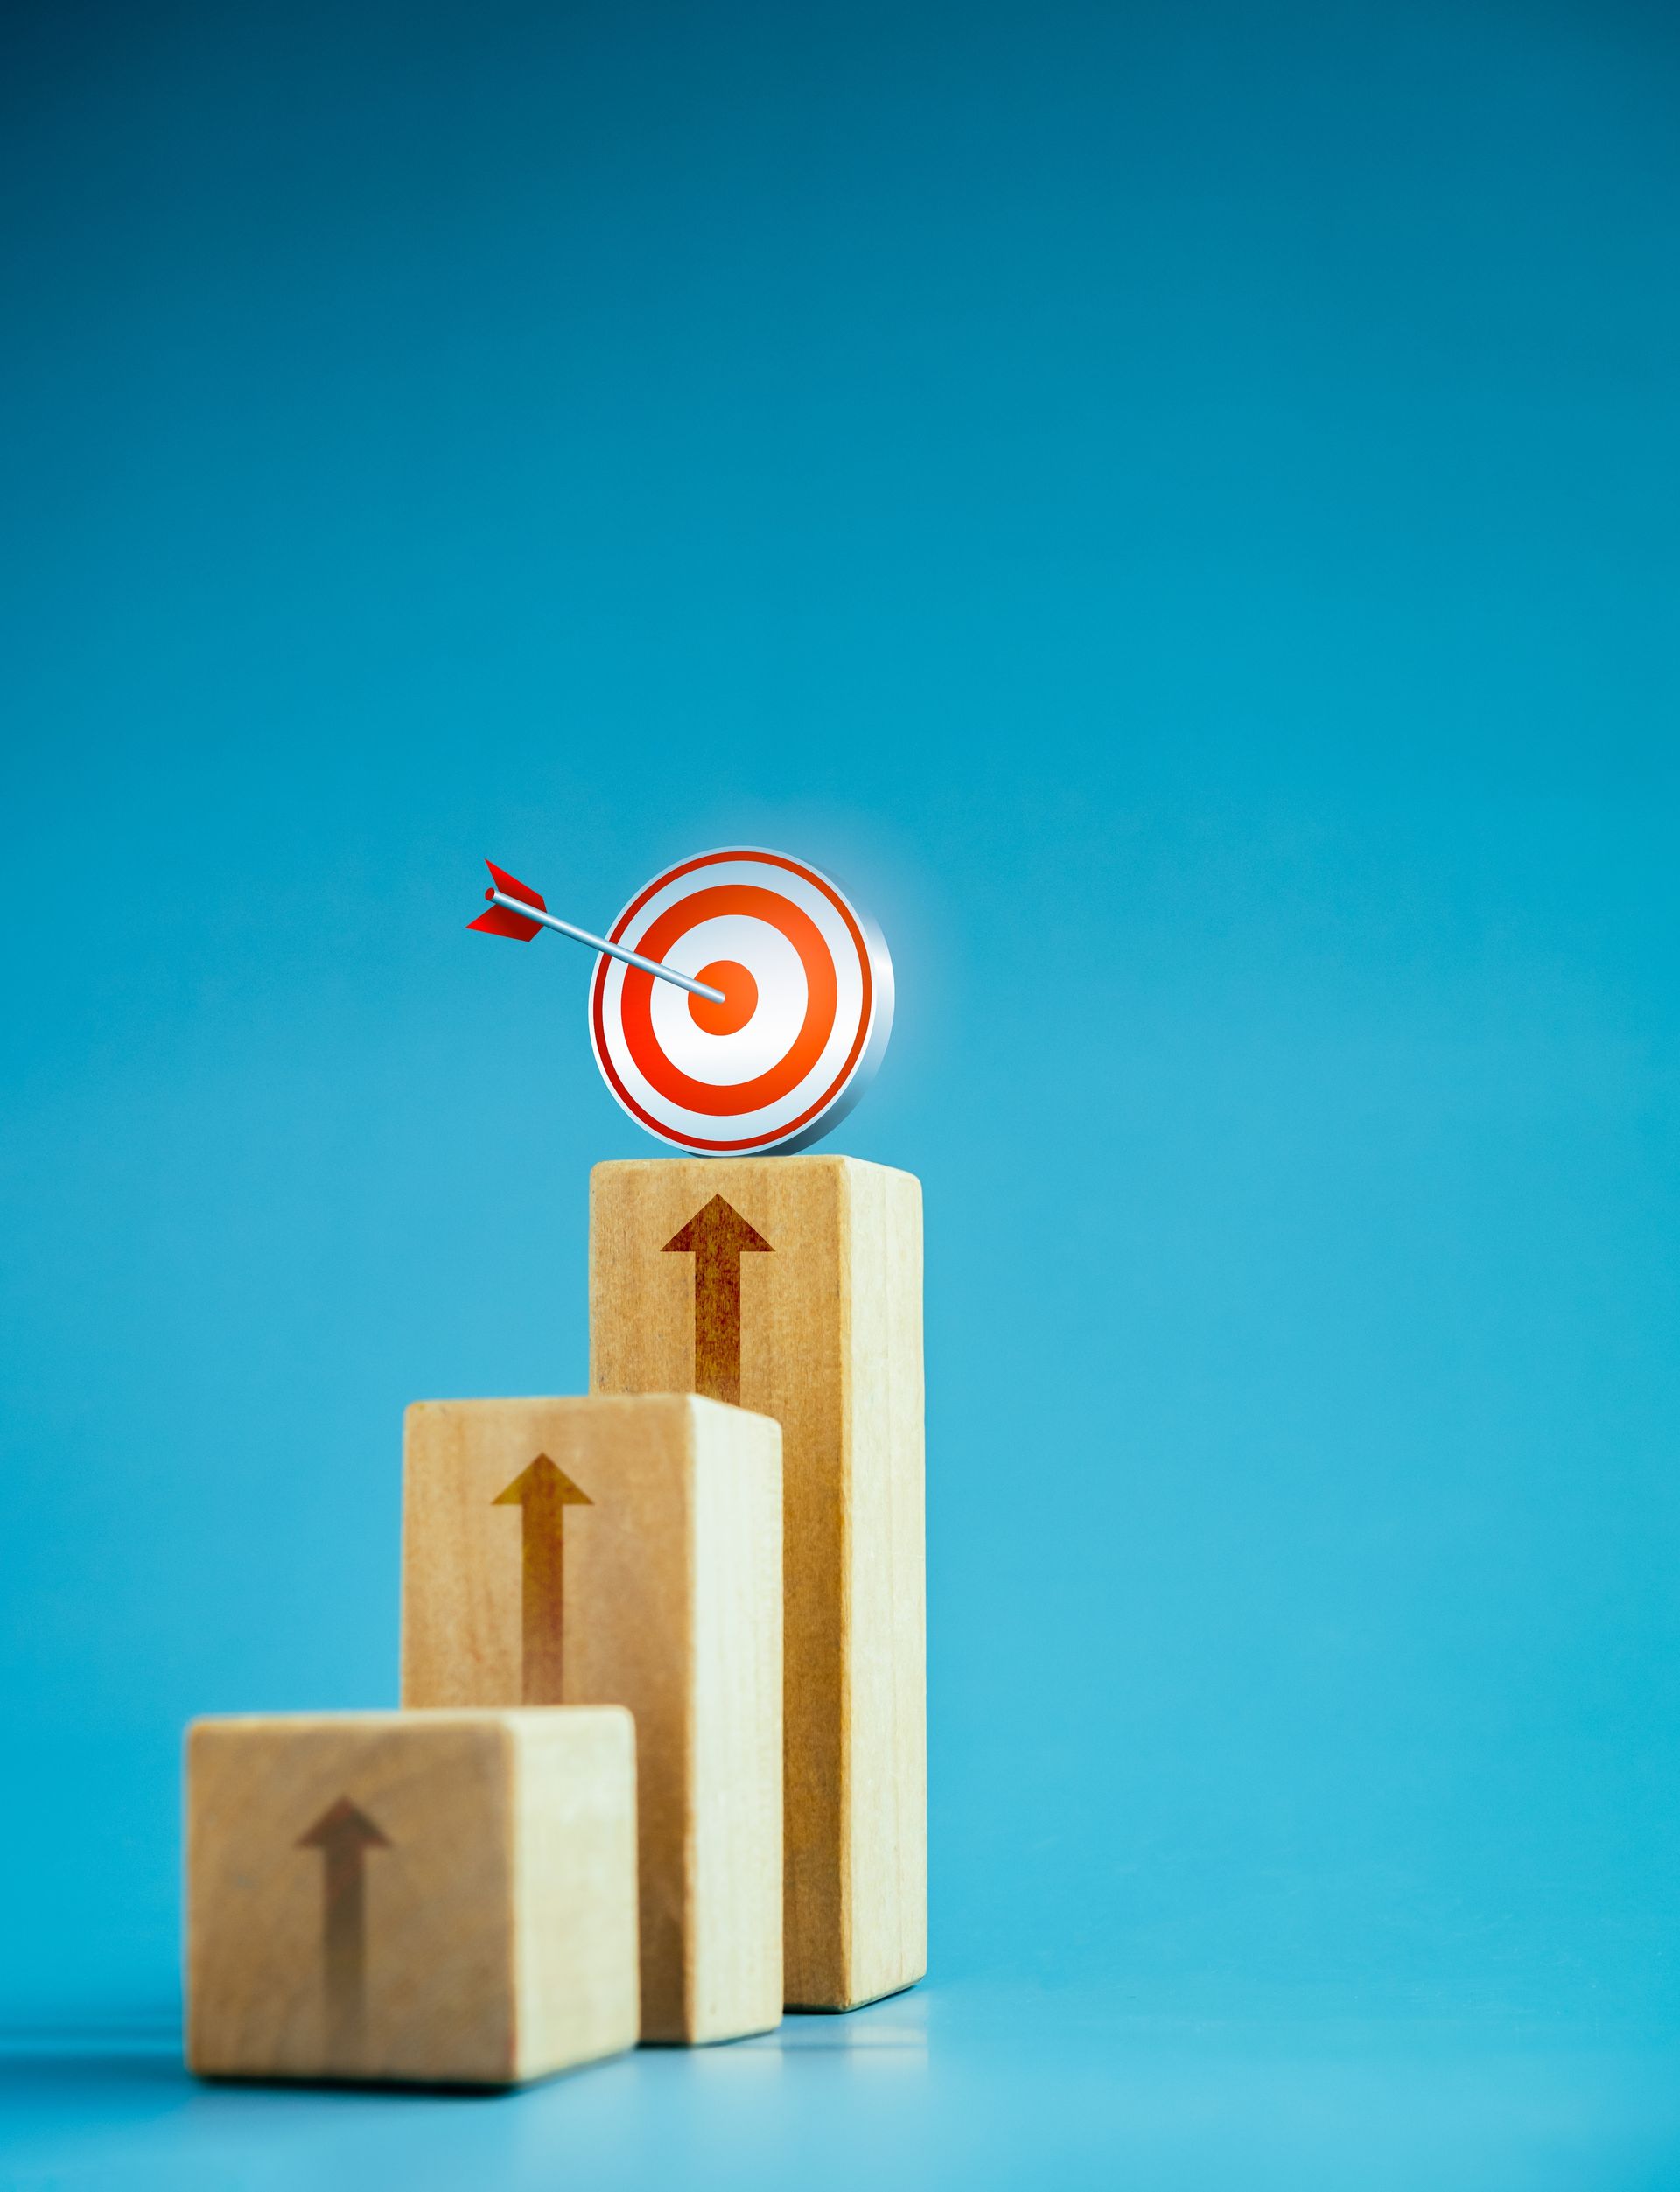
(807, 1010)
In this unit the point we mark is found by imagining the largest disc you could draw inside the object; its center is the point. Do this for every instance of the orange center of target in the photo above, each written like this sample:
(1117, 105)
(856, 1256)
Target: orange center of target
(740, 999)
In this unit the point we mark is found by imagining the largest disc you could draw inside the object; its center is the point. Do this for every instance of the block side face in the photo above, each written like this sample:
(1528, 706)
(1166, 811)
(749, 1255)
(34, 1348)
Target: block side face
(467, 1529)
(630, 1580)
(348, 1900)
(886, 1733)
(644, 1312)
(575, 1893)
(735, 1976)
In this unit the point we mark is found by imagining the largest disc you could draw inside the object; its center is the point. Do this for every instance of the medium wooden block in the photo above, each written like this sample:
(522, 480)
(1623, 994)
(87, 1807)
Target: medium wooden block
(794, 1285)
(625, 1551)
(437, 1898)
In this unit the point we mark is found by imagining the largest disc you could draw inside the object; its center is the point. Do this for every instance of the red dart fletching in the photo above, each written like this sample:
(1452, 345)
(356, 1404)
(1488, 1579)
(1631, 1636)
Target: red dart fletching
(500, 920)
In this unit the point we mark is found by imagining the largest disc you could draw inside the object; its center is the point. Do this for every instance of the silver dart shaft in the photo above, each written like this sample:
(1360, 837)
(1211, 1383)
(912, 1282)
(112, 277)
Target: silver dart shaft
(527, 912)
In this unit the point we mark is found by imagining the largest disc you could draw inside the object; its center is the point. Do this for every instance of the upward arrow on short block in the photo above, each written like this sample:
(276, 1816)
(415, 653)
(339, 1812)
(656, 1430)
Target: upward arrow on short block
(344, 1835)
(717, 1236)
(543, 1492)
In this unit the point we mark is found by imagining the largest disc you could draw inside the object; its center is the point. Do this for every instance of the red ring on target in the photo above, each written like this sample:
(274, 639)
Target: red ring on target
(848, 980)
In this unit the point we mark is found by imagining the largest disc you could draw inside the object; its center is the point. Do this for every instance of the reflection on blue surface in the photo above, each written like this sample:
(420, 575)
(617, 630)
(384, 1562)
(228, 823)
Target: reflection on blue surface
(933, 2089)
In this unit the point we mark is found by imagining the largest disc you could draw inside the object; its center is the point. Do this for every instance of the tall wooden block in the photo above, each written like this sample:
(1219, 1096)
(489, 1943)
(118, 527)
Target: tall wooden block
(442, 1898)
(793, 1285)
(626, 1552)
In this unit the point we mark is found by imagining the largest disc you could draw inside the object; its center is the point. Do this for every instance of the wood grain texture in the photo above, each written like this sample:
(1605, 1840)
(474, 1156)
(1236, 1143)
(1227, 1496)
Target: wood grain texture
(830, 1342)
(425, 1898)
(672, 1559)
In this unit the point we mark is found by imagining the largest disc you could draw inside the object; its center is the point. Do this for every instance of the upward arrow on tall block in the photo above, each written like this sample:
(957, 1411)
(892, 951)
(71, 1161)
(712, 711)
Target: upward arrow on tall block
(543, 1492)
(717, 1236)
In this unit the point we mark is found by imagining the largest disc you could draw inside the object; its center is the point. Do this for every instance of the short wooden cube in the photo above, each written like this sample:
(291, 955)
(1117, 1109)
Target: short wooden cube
(431, 1898)
(625, 1551)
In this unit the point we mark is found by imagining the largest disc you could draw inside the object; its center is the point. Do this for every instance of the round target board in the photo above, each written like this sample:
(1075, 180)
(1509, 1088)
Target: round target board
(806, 1006)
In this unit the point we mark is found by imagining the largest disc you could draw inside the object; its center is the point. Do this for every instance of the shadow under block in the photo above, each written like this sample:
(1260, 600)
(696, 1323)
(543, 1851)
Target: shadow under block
(626, 1552)
(794, 1285)
(440, 1898)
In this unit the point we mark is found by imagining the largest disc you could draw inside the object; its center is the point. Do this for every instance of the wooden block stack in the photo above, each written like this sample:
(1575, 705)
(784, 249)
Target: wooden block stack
(660, 1764)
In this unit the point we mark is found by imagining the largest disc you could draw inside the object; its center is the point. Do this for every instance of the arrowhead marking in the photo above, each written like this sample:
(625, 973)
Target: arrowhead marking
(542, 1480)
(717, 1236)
(543, 1492)
(716, 1226)
(342, 1826)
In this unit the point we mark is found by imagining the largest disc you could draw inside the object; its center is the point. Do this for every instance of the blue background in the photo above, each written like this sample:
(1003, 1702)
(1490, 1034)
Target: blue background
(1178, 506)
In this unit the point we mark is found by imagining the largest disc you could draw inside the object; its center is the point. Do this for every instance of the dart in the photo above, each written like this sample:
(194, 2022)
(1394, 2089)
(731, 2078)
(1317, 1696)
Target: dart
(516, 910)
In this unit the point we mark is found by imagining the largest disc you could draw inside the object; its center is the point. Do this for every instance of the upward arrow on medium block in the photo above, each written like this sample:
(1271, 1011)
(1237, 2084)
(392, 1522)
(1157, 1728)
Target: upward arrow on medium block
(344, 1835)
(543, 1492)
(717, 1236)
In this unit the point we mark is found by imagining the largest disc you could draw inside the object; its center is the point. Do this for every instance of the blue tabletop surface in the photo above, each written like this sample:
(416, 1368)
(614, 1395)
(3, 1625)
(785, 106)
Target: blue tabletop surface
(944, 2086)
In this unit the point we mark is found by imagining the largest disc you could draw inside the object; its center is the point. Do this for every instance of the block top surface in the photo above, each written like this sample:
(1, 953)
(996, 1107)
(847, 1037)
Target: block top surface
(523, 1724)
(689, 1411)
(810, 1165)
